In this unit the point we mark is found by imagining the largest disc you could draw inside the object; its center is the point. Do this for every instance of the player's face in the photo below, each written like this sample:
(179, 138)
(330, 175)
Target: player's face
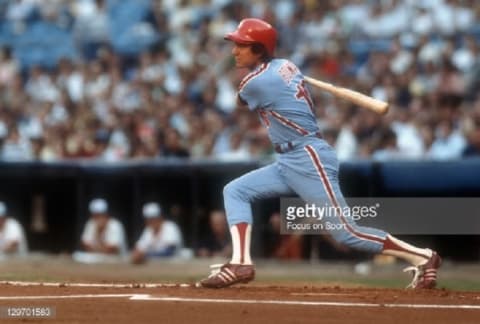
(101, 220)
(244, 57)
(154, 223)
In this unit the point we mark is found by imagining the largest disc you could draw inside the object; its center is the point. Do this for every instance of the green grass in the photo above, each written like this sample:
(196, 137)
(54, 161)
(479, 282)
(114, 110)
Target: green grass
(395, 283)
(371, 282)
(459, 277)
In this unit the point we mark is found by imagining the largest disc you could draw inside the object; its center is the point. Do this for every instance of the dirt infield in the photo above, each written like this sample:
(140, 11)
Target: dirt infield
(282, 293)
(254, 303)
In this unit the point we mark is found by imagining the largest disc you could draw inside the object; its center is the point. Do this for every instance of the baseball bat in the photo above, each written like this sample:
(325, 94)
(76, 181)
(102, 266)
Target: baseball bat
(378, 106)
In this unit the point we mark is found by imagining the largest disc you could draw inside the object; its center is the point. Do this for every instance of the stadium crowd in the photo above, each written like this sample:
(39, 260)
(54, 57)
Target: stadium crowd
(174, 96)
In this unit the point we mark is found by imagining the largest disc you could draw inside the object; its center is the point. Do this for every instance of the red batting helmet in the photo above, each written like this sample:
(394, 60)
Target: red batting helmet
(252, 30)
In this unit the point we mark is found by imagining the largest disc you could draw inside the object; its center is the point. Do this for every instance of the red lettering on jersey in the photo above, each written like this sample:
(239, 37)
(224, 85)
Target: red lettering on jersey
(288, 71)
(302, 93)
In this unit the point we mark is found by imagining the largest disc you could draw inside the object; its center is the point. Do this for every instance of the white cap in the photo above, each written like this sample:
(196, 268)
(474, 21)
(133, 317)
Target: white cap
(3, 209)
(98, 206)
(152, 210)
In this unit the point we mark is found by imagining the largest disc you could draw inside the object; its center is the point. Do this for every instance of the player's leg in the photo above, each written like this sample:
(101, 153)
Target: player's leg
(238, 195)
(316, 182)
(321, 184)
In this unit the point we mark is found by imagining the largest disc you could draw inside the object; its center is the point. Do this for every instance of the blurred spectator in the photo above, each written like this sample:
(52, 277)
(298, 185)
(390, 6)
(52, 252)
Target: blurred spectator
(92, 24)
(471, 129)
(172, 145)
(449, 142)
(103, 238)
(465, 56)
(409, 140)
(238, 148)
(282, 246)
(216, 241)
(9, 67)
(346, 143)
(39, 85)
(386, 146)
(161, 238)
(12, 237)
(15, 147)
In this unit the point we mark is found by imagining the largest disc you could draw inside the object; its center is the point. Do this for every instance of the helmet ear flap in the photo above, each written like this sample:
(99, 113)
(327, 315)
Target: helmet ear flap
(258, 48)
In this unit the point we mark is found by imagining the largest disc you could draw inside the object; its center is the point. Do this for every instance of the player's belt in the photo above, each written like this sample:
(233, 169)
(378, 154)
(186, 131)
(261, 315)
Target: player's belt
(288, 146)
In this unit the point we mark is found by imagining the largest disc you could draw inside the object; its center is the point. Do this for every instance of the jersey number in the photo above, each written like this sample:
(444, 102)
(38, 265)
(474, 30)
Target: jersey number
(302, 93)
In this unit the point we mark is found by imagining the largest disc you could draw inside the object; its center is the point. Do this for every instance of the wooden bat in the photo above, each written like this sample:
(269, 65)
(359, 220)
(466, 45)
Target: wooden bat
(378, 106)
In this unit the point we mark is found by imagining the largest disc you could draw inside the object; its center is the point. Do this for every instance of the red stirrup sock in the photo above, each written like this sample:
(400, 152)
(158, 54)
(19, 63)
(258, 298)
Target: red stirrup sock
(241, 237)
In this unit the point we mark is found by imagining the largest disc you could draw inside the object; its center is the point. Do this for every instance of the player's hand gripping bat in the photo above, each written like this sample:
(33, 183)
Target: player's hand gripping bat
(378, 106)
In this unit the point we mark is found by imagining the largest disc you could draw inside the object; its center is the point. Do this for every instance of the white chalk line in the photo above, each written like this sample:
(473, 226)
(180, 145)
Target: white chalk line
(94, 285)
(323, 294)
(73, 296)
(147, 297)
(299, 302)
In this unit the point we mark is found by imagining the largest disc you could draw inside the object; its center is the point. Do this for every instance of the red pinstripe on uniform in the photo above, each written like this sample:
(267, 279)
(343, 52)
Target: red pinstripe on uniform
(289, 123)
(333, 200)
(252, 75)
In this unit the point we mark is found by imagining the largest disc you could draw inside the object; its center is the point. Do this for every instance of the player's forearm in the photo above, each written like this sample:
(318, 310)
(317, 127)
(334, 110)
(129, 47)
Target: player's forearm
(88, 247)
(100, 248)
(137, 256)
(108, 249)
(11, 247)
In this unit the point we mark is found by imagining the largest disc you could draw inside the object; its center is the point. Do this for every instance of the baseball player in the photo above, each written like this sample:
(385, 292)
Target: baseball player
(103, 238)
(306, 165)
(12, 237)
(161, 238)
